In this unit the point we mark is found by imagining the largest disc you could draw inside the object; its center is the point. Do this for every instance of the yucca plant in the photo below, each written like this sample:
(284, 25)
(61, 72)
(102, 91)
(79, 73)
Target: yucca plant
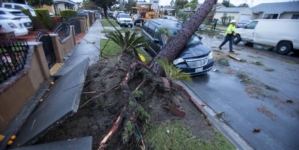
(172, 72)
(128, 41)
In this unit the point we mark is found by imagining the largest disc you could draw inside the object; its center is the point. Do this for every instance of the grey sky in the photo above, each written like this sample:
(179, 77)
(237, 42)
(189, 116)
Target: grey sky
(235, 2)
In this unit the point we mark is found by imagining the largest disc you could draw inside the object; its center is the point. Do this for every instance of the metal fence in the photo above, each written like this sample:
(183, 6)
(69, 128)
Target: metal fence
(44, 37)
(13, 55)
(63, 30)
(76, 23)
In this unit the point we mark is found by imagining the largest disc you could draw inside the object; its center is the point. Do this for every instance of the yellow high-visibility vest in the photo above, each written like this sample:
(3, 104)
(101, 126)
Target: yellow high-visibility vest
(230, 29)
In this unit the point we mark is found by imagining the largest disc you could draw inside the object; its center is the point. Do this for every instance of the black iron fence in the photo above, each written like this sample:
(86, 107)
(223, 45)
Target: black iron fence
(76, 23)
(90, 18)
(44, 37)
(13, 55)
(63, 30)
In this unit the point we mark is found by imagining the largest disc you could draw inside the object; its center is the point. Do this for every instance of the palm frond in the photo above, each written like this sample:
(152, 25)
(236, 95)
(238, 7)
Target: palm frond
(172, 72)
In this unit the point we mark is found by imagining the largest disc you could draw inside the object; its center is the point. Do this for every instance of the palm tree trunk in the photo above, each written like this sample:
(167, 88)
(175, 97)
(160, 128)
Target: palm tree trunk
(177, 43)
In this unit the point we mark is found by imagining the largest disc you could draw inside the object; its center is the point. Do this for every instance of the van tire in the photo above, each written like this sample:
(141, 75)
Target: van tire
(284, 48)
(237, 39)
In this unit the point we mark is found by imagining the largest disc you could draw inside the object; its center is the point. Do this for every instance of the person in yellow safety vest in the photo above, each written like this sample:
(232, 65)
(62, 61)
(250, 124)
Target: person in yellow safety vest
(230, 33)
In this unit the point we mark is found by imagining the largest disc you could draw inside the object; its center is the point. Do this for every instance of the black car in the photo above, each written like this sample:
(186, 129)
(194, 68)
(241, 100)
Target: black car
(196, 58)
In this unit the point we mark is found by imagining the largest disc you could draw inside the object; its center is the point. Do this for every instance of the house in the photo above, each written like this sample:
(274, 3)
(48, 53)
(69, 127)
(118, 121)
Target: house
(236, 13)
(281, 10)
(63, 5)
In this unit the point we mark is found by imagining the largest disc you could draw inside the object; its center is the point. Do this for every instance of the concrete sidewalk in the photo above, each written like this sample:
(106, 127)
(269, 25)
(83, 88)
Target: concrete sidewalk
(89, 47)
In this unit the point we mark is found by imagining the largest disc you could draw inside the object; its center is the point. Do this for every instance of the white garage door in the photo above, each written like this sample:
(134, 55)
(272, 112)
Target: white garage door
(244, 17)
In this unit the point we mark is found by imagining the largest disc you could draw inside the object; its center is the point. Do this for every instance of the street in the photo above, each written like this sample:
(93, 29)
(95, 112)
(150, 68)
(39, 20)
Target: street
(261, 91)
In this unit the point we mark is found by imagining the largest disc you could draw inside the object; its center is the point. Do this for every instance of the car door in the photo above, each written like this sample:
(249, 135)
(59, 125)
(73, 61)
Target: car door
(154, 45)
(248, 33)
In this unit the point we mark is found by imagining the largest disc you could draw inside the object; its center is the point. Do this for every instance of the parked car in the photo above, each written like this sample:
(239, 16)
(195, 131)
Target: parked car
(14, 14)
(118, 17)
(110, 14)
(242, 24)
(15, 25)
(125, 20)
(170, 18)
(116, 13)
(281, 34)
(22, 6)
(196, 57)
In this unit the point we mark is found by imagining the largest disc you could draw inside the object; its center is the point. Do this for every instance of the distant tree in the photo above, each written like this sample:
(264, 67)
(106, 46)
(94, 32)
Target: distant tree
(87, 4)
(243, 5)
(225, 3)
(105, 4)
(191, 4)
(179, 4)
(130, 4)
(40, 3)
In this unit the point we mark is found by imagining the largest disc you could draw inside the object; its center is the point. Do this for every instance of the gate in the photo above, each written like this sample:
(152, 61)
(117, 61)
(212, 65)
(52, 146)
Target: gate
(63, 30)
(90, 18)
(76, 23)
(44, 37)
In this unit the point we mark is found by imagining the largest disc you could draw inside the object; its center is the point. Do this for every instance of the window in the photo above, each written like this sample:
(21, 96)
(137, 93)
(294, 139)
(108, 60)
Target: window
(270, 16)
(151, 29)
(157, 35)
(145, 26)
(295, 16)
(7, 6)
(251, 25)
(18, 7)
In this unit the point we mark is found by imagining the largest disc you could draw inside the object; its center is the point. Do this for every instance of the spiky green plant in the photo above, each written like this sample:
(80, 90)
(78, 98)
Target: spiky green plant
(172, 72)
(128, 40)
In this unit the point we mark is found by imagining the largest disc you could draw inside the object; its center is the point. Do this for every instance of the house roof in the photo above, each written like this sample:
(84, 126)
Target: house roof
(64, 1)
(270, 8)
(231, 9)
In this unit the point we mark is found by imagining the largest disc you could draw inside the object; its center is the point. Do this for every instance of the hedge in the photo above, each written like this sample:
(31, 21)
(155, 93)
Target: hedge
(44, 17)
(27, 12)
(68, 14)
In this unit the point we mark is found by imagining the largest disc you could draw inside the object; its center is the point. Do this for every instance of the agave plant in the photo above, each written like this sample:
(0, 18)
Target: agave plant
(172, 72)
(128, 41)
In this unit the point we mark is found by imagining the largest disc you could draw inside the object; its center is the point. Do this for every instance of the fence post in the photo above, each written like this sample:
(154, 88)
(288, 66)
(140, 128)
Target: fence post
(58, 51)
(73, 34)
(41, 58)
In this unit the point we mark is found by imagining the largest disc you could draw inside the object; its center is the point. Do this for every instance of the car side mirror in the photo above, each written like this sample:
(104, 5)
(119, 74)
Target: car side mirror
(156, 41)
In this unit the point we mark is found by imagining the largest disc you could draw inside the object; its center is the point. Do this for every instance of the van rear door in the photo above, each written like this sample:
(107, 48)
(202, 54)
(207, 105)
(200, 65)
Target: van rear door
(248, 34)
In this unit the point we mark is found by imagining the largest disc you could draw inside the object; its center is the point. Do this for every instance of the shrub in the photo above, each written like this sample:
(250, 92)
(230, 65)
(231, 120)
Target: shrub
(44, 17)
(27, 12)
(68, 14)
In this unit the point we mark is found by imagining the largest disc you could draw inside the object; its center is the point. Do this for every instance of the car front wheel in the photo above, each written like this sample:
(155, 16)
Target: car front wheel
(284, 48)
(237, 39)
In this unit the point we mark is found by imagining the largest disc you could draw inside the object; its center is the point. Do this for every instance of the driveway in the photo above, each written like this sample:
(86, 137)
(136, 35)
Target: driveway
(261, 91)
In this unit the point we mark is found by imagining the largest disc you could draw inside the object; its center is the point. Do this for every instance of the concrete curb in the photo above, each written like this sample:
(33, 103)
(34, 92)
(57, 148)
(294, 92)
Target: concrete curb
(227, 131)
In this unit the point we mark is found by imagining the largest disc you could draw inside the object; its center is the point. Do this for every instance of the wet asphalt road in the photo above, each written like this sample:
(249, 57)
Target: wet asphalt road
(260, 101)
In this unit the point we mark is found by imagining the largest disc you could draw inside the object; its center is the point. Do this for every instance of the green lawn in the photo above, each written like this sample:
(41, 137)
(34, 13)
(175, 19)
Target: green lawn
(106, 23)
(113, 50)
(176, 135)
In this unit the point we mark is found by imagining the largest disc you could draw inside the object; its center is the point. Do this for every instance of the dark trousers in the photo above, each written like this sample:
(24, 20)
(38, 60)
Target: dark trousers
(229, 38)
(213, 27)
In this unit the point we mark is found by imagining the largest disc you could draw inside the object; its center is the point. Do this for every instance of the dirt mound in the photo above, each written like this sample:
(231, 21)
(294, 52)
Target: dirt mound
(103, 100)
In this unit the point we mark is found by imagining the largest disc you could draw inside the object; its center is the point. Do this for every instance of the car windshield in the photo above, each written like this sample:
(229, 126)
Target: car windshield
(125, 16)
(29, 7)
(193, 40)
(17, 13)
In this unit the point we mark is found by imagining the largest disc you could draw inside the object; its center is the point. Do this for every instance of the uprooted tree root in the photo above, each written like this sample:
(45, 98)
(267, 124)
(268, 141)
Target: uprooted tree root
(120, 100)
(132, 115)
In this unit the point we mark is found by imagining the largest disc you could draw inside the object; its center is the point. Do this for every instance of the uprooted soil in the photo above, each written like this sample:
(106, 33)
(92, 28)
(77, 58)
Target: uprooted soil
(106, 100)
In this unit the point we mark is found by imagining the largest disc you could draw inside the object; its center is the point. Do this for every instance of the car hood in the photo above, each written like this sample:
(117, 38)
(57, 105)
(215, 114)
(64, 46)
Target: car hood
(195, 50)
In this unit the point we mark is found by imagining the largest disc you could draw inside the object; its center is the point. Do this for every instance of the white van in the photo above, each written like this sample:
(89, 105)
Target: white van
(282, 34)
